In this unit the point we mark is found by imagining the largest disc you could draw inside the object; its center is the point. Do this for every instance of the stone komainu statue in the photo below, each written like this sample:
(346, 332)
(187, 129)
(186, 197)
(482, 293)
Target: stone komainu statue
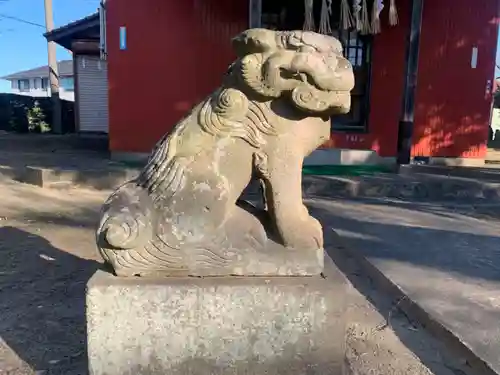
(183, 214)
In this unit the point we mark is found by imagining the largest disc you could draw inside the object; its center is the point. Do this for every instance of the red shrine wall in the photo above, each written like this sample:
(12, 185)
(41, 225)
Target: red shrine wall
(452, 109)
(176, 54)
(158, 78)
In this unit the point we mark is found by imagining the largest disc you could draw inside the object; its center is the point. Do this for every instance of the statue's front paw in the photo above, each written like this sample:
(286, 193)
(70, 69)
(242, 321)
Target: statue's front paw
(303, 234)
(316, 232)
(258, 237)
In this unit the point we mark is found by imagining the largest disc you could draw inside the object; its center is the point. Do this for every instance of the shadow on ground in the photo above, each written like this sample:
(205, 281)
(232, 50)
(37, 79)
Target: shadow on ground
(446, 209)
(42, 288)
(431, 352)
(448, 249)
(82, 218)
(449, 271)
(74, 208)
(42, 302)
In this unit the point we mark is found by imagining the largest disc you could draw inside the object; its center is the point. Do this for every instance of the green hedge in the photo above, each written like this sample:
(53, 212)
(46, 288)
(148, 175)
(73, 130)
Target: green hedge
(24, 114)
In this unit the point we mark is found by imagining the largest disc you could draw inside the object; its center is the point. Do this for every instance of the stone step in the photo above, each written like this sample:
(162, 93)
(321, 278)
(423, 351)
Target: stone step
(414, 185)
(100, 179)
(420, 187)
(50, 143)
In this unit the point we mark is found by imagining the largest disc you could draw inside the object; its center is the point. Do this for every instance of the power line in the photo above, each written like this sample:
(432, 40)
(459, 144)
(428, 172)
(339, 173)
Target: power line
(6, 16)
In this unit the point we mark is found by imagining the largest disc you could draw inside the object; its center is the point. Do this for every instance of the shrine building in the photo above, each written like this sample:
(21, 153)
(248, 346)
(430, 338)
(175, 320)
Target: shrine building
(424, 71)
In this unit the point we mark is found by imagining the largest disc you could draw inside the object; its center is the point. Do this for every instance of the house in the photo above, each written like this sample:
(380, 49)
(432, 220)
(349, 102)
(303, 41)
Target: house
(35, 82)
(423, 78)
(82, 38)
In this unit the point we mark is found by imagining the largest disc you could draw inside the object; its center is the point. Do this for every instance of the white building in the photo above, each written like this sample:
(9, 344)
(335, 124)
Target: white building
(35, 82)
(84, 39)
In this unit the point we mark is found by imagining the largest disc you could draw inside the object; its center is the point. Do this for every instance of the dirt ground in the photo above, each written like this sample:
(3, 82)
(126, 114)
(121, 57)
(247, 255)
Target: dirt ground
(48, 254)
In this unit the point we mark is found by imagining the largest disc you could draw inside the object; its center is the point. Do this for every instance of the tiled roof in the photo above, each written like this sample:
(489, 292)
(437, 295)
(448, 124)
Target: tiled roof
(65, 69)
(76, 26)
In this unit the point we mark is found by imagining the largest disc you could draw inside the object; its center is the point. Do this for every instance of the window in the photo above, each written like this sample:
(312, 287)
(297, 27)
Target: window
(45, 84)
(357, 49)
(68, 83)
(23, 85)
(354, 50)
(36, 83)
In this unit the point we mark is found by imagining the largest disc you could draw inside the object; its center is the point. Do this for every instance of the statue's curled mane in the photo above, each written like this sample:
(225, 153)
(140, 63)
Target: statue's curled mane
(226, 113)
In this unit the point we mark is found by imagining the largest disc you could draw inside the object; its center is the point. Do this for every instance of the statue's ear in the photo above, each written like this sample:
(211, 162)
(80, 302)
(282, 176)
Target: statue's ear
(252, 73)
(254, 41)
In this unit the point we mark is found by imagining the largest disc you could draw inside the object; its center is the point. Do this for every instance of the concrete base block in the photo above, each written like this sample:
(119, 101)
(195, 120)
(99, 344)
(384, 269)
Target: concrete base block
(232, 325)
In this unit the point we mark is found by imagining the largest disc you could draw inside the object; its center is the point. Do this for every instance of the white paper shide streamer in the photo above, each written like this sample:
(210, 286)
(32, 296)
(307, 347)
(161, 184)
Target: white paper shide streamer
(365, 18)
(378, 5)
(309, 15)
(393, 14)
(346, 15)
(324, 23)
(357, 14)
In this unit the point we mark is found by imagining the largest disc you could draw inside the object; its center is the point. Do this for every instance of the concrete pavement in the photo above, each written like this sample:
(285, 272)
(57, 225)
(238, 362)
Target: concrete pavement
(445, 259)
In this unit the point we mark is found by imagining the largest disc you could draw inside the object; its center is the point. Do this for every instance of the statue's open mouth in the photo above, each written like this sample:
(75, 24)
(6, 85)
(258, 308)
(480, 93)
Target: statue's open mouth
(344, 103)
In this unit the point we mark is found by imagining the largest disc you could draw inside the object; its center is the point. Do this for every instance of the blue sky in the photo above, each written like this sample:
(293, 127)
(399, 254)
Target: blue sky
(22, 46)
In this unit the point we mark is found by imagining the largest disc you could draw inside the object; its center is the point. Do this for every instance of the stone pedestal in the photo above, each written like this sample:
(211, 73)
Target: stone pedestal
(231, 325)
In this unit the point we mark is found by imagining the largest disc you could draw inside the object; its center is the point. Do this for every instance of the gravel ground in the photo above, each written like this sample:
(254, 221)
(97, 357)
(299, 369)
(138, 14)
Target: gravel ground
(48, 254)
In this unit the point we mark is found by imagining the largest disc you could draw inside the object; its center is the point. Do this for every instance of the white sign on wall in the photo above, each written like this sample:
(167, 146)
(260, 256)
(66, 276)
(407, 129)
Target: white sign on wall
(473, 60)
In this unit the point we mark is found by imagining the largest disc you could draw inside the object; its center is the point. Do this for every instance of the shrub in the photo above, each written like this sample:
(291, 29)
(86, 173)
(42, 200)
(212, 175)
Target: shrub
(24, 114)
(36, 119)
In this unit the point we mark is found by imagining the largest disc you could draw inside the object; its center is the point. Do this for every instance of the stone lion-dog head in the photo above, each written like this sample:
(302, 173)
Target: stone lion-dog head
(306, 66)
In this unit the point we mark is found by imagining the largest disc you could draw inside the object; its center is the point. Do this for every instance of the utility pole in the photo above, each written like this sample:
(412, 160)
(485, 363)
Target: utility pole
(53, 73)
